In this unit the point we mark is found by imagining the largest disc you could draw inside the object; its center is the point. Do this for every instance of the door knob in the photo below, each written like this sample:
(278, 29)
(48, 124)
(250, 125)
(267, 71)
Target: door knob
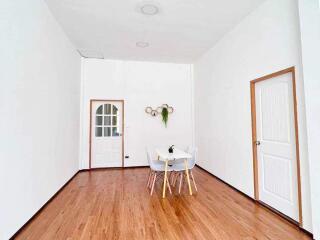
(257, 143)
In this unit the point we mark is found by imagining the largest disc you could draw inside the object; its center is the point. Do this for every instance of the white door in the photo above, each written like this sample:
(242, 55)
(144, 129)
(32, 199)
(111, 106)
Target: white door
(106, 143)
(276, 146)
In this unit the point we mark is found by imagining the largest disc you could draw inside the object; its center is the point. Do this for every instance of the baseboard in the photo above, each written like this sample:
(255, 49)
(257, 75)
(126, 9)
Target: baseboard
(257, 202)
(47, 202)
(112, 168)
(144, 166)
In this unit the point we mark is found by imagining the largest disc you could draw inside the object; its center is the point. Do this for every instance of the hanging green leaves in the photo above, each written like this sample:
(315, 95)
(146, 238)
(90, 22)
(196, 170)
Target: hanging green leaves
(165, 115)
(164, 110)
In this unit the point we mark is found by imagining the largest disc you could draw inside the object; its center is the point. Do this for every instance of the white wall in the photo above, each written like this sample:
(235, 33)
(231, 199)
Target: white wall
(39, 109)
(266, 41)
(309, 13)
(140, 84)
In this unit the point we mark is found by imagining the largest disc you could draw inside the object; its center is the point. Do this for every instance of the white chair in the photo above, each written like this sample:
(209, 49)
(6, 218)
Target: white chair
(179, 169)
(157, 168)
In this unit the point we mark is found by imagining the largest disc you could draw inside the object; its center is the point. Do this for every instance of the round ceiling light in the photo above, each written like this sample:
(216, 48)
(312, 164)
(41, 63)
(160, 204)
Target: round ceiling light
(149, 9)
(142, 44)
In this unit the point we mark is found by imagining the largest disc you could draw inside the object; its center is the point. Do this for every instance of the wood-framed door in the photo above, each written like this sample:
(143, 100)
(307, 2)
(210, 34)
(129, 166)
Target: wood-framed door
(275, 143)
(106, 133)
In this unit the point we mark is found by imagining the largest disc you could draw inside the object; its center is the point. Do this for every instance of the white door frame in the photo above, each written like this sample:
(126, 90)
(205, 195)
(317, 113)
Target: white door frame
(254, 135)
(90, 128)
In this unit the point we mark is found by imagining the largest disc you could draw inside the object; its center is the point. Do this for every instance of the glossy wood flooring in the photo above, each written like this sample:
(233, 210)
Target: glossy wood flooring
(115, 204)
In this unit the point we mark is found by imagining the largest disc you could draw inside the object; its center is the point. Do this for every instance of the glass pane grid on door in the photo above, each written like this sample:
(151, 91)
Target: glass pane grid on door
(106, 121)
(107, 131)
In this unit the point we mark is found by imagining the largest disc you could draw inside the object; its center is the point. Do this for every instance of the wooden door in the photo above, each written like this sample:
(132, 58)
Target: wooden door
(106, 134)
(276, 144)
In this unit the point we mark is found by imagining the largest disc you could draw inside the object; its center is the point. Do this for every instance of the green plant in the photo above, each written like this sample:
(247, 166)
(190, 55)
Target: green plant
(165, 115)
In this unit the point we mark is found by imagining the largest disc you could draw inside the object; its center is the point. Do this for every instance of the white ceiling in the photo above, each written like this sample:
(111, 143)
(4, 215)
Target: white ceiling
(180, 32)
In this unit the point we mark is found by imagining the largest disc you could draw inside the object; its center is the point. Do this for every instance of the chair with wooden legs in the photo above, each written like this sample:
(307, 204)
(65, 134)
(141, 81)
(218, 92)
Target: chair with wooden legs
(156, 171)
(179, 170)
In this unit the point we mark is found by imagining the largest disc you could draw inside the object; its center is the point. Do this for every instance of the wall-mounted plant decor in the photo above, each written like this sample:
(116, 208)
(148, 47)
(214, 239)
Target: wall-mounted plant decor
(165, 115)
(164, 110)
(150, 111)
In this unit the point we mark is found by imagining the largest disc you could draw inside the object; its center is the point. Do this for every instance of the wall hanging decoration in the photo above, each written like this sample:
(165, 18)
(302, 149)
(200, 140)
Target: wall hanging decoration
(150, 111)
(164, 110)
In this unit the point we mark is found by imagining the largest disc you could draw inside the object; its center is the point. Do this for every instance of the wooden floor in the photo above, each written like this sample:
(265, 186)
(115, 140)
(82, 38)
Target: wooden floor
(114, 204)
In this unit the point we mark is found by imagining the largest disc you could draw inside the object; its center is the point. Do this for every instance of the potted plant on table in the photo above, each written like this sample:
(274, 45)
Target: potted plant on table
(170, 150)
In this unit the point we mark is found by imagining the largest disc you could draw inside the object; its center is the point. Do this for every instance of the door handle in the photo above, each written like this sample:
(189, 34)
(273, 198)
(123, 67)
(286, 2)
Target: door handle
(257, 143)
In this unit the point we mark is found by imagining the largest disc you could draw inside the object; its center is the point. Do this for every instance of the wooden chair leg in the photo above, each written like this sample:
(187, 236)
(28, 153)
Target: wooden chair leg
(148, 183)
(181, 177)
(175, 179)
(151, 179)
(168, 183)
(194, 182)
(153, 182)
(170, 177)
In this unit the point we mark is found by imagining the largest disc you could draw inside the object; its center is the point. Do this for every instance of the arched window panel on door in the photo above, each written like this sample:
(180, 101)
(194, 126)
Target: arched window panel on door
(99, 110)
(114, 110)
(106, 121)
(107, 109)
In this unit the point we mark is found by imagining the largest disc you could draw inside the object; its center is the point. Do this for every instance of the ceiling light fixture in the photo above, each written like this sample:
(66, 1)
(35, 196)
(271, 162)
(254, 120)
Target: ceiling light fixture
(149, 9)
(142, 44)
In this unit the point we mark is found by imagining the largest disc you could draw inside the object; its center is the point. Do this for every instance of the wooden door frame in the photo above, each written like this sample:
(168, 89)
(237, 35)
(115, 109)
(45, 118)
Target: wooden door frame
(254, 133)
(90, 128)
